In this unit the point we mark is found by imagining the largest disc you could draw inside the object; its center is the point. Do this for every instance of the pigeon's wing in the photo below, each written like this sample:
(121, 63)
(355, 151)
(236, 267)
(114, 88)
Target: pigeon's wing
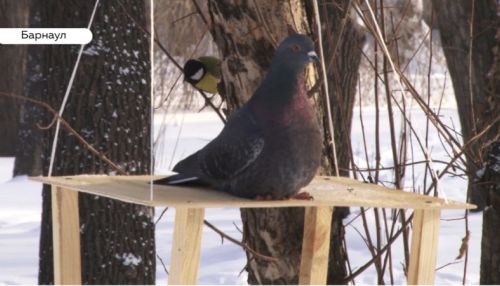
(238, 145)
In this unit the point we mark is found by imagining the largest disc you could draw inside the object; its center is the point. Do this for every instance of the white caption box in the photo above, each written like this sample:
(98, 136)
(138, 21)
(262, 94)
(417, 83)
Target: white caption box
(45, 36)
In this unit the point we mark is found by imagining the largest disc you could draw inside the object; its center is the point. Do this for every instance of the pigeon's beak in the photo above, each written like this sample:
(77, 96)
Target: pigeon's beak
(313, 57)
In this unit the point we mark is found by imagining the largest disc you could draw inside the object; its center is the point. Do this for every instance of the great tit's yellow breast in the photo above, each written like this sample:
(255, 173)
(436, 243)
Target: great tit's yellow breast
(208, 83)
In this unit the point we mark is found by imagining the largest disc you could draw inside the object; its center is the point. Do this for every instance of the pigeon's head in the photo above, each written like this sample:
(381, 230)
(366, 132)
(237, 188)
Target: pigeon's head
(295, 52)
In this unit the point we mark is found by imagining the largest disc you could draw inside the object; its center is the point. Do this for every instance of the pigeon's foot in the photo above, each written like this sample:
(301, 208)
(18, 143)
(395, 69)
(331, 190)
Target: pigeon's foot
(299, 196)
(263, 198)
(302, 196)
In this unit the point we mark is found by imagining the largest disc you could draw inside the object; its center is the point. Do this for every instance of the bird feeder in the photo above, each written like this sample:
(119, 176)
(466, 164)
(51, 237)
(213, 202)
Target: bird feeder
(190, 204)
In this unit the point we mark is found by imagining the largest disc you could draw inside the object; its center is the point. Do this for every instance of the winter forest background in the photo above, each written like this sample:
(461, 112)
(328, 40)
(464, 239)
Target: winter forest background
(414, 90)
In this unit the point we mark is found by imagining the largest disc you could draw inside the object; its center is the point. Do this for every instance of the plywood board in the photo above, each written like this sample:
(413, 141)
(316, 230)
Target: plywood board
(315, 246)
(424, 244)
(185, 254)
(66, 237)
(327, 191)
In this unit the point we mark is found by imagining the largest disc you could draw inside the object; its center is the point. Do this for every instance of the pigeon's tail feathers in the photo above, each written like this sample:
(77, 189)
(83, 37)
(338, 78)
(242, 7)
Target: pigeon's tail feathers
(178, 179)
(181, 180)
(188, 174)
(189, 166)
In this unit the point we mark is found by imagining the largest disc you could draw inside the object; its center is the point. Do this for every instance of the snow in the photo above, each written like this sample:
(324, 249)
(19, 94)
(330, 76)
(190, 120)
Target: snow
(124, 71)
(222, 263)
(129, 259)
(20, 211)
(91, 51)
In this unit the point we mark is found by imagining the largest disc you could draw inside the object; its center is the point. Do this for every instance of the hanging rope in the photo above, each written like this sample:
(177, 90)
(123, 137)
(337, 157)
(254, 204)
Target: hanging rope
(151, 131)
(66, 95)
(325, 85)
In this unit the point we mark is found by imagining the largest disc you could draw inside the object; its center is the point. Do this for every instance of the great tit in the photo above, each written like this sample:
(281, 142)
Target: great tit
(203, 73)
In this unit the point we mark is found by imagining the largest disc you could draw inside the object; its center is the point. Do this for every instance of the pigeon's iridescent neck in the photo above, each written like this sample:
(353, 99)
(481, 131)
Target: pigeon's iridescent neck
(300, 105)
(282, 85)
(284, 103)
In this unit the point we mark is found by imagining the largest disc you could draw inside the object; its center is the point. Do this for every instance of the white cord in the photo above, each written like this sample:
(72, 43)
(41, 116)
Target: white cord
(325, 84)
(151, 58)
(66, 95)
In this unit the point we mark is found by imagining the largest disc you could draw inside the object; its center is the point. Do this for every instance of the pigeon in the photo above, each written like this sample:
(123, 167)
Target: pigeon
(271, 147)
(203, 73)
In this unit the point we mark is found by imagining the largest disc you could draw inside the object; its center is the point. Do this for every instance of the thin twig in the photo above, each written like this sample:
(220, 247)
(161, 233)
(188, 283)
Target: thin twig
(184, 17)
(466, 146)
(70, 129)
(200, 12)
(162, 264)
(237, 228)
(369, 244)
(471, 93)
(448, 264)
(161, 215)
(237, 242)
(474, 130)
(382, 250)
(48, 126)
(429, 70)
(325, 84)
(363, 133)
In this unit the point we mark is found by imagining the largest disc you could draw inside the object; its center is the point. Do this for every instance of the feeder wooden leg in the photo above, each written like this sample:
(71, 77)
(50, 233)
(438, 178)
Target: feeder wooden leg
(66, 236)
(315, 245)
(185, 255)
(424, 243)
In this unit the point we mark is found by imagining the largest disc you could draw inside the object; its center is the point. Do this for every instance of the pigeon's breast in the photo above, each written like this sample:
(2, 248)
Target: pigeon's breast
(289, 161)
(284, 167)
(291, 152)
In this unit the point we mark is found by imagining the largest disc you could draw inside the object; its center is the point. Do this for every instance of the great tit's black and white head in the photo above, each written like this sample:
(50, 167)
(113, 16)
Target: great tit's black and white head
(204, 73)
(194, 71)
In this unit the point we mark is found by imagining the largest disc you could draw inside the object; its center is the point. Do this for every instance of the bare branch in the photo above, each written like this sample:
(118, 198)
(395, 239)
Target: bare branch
(237, 242)
(66, 125)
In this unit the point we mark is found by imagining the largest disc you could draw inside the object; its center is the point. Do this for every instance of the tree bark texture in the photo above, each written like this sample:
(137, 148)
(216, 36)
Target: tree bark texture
(109, 105)
(247, 33)
(478, 96)
(30, 140)
(478, 100)
(13, 62)
(490, 244)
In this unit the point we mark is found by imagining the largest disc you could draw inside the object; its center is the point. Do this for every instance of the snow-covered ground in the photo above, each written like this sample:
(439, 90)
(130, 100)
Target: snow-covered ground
(20, 206)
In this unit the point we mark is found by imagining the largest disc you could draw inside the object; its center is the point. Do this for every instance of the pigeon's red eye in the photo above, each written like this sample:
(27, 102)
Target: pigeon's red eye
(295, 48)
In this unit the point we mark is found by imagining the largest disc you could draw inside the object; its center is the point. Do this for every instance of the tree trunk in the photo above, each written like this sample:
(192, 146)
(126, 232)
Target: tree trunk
(479, 106)
(490, 244)
(13, 61)
(109, 106)
(30, 140)
(247, 34)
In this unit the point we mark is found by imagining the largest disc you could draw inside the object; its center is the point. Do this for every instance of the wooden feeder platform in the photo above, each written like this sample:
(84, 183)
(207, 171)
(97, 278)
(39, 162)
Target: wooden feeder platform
(190, 204)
